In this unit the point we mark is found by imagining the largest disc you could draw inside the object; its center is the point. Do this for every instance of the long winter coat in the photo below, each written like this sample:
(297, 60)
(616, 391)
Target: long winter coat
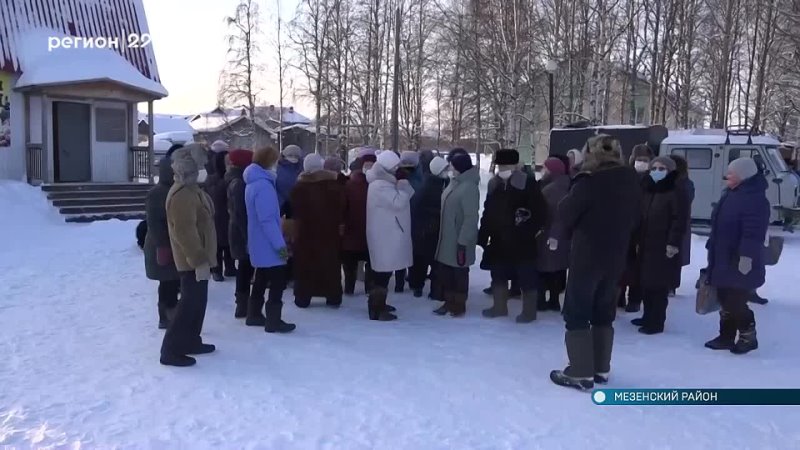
(663, 222)
(388, 221)
(514, 213)
(738, 228)
(459, 224)
(287, 173)
(553, 261)
(264, 237)
(317, 209)
(157, 229)
(686, 186)
(426, 210)
(601, 213)
(217, 188)
(190, 218)
(237, 213)
(355, 213)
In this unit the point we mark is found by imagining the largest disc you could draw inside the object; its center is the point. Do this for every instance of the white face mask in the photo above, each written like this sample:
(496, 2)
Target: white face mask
(202, 175)
(293, 159)
(641, 166)
(452, 173)
(505, 174)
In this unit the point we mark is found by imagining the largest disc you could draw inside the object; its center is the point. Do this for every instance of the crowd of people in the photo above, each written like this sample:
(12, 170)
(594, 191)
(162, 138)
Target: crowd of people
(605, 232)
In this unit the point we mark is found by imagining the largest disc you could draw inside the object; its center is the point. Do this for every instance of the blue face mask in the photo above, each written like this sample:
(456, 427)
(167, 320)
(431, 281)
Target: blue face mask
(658, 175)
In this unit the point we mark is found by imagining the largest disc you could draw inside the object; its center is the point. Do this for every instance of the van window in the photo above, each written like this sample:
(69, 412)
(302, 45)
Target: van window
(696, 158)
(754, 154)
(776, 159)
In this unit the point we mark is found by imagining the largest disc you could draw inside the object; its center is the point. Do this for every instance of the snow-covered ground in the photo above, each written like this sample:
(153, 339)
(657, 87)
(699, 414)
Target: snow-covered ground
(79, 351)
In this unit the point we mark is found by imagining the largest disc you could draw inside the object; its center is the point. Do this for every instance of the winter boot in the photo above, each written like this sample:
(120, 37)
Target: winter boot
(488, 290)
(254, 316)
(747, 340)
(217, 276)
(231, 271)
(163, 317)
(168, 359)
(417, 293)
(500, 302)
(241, 305)
(603, 340)
(632, 307)
(302, 302)
(757, 299)
(458, 305)
(579, 374)
(334, 302)
(350, 282)
(274, 322)
(528, 313)
(376, 305)
(554, 304)
(445, 308)
(541, 299)
(202, 349)
(515, 291)
(727, 333)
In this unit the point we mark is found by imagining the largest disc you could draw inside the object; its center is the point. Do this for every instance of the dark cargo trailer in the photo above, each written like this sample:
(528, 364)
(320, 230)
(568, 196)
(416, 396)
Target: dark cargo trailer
(564, 139)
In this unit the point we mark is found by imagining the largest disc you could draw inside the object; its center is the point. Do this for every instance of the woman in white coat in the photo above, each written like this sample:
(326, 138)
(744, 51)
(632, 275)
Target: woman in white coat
(388, 230)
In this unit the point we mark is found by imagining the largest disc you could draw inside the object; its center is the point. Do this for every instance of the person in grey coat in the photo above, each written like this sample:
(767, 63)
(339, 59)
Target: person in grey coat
(552, 263)
(158, 262)
(458, 235)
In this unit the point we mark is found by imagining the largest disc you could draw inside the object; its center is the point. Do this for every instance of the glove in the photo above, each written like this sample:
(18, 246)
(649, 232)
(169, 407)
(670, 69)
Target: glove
(202, 273)
(672, 251)
(163, 256)
(284, 253)
(552, 244)
(745, 265)
(461, 256)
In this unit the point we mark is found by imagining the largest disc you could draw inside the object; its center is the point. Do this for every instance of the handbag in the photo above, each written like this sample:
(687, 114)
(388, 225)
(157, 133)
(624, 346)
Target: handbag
(773, 250)
(707, 301)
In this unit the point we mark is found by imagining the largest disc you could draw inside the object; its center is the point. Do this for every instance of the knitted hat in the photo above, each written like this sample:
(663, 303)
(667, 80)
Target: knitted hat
(366, 151)
(454, 152)
(313, 162)
(240, 157)
(555, 166)
(743, 167)
(461, 163)
(333, 164)
(219, 146)
(506, 157)
(292, 150)
(438, 165)
(666, 161)
(409, 159)
(388, 160)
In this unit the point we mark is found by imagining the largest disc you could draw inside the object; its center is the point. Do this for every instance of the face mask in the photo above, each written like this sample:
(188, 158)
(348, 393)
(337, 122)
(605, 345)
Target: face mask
(505, 174)
(202, 175)
(452, 174)
(658, 175)
(641, 166)
(293, 159)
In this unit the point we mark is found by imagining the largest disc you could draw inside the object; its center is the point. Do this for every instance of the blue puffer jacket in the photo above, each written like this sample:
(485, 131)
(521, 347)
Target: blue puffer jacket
(738, 229)
(287, 177)
(264, 236)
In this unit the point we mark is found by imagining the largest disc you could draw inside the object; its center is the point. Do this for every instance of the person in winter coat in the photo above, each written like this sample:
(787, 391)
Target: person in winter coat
(736, 266)
(662, 228)
(217, 188)
(686, 186)
(411, 167)
(458, 235)
(388, 230)
(552, 264)
(575, 161)
(265, 243)
(218, 146)
(336, 166)
(317, 202)
(641, 157)
(601, 213)
(514, 213)
(237, 226)
(158, 262)
(193, 239)
(289, 168)
(426, 209)
(354, 238)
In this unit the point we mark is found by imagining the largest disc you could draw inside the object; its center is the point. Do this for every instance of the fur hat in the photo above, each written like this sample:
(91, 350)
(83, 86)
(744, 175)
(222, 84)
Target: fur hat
(219, 146)
(640, 151)
(313, 162)
(366, 151)
(461, 163)
(745, 168)
(438, 165)
(292, 151)
(187, 162)
(388, 160)
(555, 166)
(409, 159)
(577, 155)
(240, 157)
(506, 157)
(454, 152)
(601, 149)
(668, 162)
(333, 164)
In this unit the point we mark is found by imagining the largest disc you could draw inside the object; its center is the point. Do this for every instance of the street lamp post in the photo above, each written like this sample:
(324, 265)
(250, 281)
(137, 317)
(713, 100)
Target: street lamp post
(551, 67)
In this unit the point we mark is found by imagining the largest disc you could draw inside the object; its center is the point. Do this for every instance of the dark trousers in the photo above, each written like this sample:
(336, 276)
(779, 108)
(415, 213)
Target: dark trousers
(184, 330)
(224, 260)
(400, 279)
(168, 293)
(275, 277)
(553, 282)
(381, 279)
(418, 273)
(635, 295)
(655, 307)
(350, 260)
(244, 276)
(453, 280)
(525, 275)
(591, 300)
(734, 304)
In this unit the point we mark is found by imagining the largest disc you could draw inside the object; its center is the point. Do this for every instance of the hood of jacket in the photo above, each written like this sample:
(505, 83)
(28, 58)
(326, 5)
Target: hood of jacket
(317, 176)
(470, 176)
(377, 172)
(233, 173)
(166, 176)
(255, 173)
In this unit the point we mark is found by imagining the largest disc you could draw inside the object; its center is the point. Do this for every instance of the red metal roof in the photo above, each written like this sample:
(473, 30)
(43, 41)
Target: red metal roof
(80, 18)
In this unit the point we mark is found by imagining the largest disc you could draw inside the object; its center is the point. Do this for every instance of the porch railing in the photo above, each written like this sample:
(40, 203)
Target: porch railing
(140, 165)
(35, 164)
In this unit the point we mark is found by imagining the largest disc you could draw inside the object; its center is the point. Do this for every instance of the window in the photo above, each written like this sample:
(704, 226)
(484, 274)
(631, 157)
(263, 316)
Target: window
(776, 159)
(696, 158)
(754, 154)
(111, 125)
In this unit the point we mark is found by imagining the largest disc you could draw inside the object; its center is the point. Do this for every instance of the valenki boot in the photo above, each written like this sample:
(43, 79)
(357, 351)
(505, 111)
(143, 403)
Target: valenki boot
(603, 340)
(747, 340)
(727, 333)
(529, 307)
(579, 374)
(500, 302)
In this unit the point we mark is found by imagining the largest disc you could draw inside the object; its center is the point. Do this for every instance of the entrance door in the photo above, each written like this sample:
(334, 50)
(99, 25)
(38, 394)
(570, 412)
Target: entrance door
(72, 142)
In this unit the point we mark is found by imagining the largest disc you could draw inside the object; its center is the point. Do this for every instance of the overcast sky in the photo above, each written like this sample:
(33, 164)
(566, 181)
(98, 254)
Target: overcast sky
(189, 39)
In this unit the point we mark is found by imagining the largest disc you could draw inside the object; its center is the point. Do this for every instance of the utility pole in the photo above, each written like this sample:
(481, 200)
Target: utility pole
(396, 88)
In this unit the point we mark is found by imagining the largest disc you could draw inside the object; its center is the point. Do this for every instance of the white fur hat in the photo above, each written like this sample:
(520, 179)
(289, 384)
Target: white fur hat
(388, 160)
(438, 165)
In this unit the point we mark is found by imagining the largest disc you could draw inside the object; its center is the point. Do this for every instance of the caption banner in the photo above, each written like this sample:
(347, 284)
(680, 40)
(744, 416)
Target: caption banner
(696, 396)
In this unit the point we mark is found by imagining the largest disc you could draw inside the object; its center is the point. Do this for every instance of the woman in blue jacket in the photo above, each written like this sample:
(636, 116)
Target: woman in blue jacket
(265, 243)
(736, 254)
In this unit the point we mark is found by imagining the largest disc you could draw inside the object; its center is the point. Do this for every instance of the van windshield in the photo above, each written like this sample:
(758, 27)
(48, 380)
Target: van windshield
(776, 160)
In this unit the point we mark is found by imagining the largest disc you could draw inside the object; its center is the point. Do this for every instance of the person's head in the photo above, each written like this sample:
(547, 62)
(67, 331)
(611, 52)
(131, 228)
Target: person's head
(661, 167)
(454, 152)
(188, 164)
(240, 158)
(740, 170)
(575, 157)
(600, 150)
(641, 156)
(461, 163)
(681, 166)
(507, 161)
(554, 167)
(333, 164)
(219, 146)
(439, 167)
(425, 158)
(389, 161)
(266, 157)
(368, 160)
(409, 159)
(292, 153)
(313, 162)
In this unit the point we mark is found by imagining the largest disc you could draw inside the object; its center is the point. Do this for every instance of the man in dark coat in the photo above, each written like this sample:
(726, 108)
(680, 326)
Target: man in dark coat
(426, 207)
(662, 226)
(158, 262)
(641, 157)
(684, 185)
(317, 204)
(217, 188)
(237, 226)
(601, 213)
(736, 266)
(514, 213)
(354, 236)
(552, 264)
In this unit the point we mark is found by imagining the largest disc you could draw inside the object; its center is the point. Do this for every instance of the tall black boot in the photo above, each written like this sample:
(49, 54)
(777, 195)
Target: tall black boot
(747, 335)
(254, 316)
(163, 317)
(541, 299)
(529, 309)
(350, 280)
(515, 291)
(499, 301)
(241, 305)
(399, 281)
(579, 374)
(376, 304)
(274, 323)
(603, 340)
(727, 333)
